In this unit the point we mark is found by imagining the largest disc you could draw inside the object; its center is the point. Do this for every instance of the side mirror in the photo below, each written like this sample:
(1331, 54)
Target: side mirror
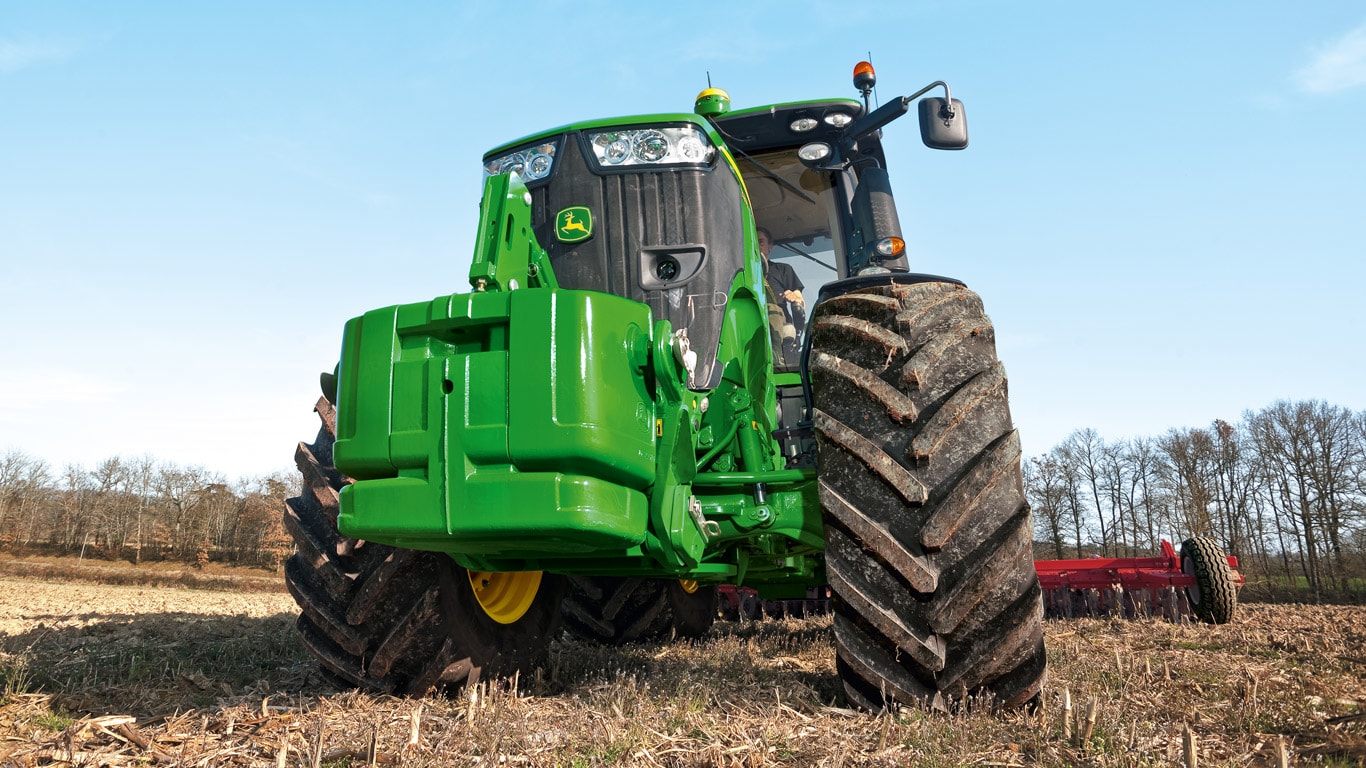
(943, 126)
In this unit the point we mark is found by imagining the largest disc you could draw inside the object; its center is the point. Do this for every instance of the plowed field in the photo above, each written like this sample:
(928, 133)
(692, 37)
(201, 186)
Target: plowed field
(107, 675)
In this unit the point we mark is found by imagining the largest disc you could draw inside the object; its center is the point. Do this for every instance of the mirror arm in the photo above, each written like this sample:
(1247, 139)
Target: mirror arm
(937, 83)
(872, 122)
(889, 112)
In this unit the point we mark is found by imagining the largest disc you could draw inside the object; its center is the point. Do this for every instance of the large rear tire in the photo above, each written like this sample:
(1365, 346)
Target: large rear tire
(929, 544)
(1214, 597)
(614, 610)
(401, 621)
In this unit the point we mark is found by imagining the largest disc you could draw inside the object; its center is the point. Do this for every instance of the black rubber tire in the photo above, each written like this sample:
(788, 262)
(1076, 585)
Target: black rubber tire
(929, 544)
(392, 620)
(1214, 598)
(751, 607)
(615, 610)
(728, 605)
(693, 612)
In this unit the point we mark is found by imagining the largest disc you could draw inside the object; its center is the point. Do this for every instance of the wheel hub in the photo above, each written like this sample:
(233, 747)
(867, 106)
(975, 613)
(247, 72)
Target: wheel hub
(1193, 591)
(505, 597)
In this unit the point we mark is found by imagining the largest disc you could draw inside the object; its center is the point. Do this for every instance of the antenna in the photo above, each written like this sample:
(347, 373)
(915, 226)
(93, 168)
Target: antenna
(709, 78)
(875, 98)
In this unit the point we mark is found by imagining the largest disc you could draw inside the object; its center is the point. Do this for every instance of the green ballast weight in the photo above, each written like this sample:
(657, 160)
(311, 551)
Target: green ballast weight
(488, 421)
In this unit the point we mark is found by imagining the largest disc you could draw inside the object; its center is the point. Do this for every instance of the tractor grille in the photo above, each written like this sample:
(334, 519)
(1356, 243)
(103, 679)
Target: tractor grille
(641, 213)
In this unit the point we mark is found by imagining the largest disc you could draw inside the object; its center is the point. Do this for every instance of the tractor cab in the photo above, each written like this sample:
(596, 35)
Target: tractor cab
(693, 214)
(807, 209)
(663, 209)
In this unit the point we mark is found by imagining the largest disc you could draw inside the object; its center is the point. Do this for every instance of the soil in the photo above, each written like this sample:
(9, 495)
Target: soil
(119, 675)
(55, 606)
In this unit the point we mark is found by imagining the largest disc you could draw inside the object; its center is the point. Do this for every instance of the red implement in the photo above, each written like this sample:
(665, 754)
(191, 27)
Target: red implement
(1169, 585)
(1200, 581)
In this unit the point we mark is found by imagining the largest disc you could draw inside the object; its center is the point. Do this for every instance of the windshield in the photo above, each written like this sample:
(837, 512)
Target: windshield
(796, 205)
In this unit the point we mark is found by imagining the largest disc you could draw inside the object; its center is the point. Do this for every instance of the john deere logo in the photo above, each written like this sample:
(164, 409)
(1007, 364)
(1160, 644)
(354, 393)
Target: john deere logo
(574, 224)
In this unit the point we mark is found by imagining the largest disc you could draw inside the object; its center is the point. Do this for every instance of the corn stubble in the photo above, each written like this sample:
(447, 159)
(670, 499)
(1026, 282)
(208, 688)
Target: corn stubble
(103, 684)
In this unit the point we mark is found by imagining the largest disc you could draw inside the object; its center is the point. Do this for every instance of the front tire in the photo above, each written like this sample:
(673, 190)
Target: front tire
(928, 536)
(401, 621)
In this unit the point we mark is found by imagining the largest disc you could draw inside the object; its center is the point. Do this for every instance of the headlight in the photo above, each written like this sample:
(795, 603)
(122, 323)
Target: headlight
(539, 160)
(531, 163)
(670, 145)
(838, 119)
(815, 152)
(512, 163)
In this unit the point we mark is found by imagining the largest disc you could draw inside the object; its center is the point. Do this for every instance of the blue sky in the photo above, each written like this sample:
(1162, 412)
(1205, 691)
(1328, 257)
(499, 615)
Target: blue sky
(1162, 205)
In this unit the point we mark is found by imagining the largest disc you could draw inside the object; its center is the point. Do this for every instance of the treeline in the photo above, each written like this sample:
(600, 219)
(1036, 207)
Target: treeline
(1284, 490)
(142, 509)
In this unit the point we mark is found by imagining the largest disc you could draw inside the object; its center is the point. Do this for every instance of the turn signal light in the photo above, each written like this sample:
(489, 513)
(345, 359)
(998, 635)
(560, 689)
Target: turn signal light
(890, 247)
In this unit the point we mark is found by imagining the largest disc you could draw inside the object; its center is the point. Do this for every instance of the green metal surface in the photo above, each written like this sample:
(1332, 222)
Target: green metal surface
(490, 420)
(524, 426)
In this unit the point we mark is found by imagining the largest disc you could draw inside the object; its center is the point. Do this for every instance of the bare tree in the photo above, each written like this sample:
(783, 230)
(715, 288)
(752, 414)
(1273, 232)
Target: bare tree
(1047, 488)
(142, 480)
(76, 507)
(182, 494)
(1084, 451)
(1117, 486)
(1190, 457)
(1333, 431)
(260, 537)
(1146, 496)
(1310, 454)
(220, 508)
(1056, 493)
(110, 512)
(14, 468)
(124, 505)
(35, 496)
(1234, 484)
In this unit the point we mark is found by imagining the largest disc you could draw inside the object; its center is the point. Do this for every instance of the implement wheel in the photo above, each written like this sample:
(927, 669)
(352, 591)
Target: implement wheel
(1214, 596)
(614, 610)
(402, 621)
(929, 544)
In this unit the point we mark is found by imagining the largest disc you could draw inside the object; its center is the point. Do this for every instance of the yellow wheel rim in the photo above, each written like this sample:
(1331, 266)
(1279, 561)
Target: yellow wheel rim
(505, 597)
(689, 585)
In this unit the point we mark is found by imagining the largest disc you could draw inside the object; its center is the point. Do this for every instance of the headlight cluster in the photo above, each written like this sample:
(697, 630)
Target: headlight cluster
(671, 145)
(531, 163)
(662, 146)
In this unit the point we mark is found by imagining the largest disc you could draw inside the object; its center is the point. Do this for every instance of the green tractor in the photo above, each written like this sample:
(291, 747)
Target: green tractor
(627, 410)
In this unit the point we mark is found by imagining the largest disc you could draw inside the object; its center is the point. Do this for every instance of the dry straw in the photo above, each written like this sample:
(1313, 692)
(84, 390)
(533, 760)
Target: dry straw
(241, 692)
